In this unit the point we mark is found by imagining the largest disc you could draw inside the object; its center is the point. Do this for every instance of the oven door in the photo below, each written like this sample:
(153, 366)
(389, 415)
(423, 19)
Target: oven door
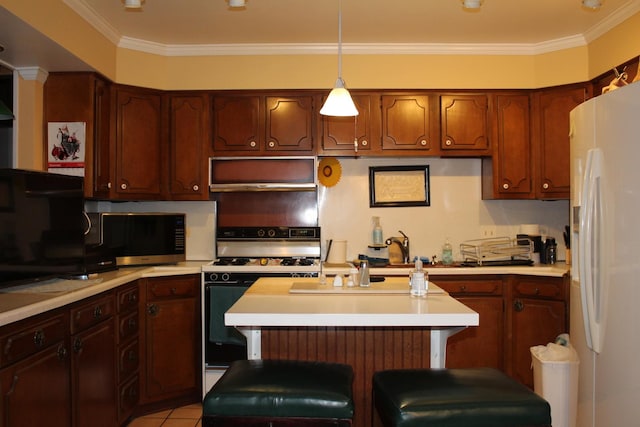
(222, 344)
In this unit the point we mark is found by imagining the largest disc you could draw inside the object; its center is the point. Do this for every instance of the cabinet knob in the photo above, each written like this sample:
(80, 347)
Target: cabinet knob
(364, 143)
(109, 185)
(518, 305)
(423, 142)
(196, 187)
(463, 288)
(97, 312)
(77, 345)
(38, 338)
(272, 144)
(545, 186)
(62, 352)
(252, 144)
(153, 310)
(123, 186)
(448, 143)
(505, 186)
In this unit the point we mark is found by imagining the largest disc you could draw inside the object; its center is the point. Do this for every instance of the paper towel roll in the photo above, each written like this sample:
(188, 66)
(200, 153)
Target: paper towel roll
(530, 229)
(338, 252)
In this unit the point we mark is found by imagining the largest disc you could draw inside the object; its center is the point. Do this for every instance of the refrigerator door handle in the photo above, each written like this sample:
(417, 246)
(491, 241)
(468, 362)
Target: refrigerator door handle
(591, 263)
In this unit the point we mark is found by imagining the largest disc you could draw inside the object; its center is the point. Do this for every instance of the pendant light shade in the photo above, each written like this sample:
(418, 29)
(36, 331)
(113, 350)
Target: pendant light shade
(133, 4)
(5, 112)
(339, 102)
(592, 4)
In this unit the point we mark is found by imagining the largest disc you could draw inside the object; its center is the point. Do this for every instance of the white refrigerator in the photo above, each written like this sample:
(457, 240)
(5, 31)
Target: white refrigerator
(605, 245)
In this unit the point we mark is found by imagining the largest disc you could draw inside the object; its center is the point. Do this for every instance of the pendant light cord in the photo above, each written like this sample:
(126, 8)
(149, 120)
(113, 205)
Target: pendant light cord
(340, 39)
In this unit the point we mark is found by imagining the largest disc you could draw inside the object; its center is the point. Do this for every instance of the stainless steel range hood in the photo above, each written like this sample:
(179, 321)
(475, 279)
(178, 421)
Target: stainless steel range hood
(250, 174)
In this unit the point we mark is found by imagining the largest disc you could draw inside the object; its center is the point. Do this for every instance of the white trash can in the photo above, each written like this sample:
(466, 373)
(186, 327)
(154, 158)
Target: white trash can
(555, 378)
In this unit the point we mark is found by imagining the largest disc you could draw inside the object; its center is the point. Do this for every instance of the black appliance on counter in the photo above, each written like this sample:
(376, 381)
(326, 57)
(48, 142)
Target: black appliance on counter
(42, 227)
(246, 254)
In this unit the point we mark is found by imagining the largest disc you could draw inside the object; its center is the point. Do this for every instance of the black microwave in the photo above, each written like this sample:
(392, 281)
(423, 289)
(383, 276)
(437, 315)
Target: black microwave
(139, 238)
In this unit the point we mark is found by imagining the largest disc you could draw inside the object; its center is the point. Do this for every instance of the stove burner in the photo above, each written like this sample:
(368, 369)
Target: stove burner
(232, 261)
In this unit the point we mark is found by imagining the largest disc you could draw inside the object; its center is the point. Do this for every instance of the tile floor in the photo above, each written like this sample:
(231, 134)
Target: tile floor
(184, 416)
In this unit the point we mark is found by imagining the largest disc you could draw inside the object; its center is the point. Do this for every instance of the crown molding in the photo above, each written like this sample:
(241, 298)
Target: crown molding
(260, 49)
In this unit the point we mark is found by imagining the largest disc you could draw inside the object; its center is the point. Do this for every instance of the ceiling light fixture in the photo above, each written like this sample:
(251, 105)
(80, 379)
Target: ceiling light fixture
(236, 3)
(133, 4)
(592, 4)
(339, 102)
(5, 112)
(471, 4)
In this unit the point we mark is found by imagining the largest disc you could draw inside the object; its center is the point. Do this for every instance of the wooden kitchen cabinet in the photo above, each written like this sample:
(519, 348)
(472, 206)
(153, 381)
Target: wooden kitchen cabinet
(188, 146)
(464, 125)
(93, 367)
(83, 97)
(550, 136)
(137, 152)
(172, 340)
(258, 124)
(128, 349)
(409, 125)
(345, 135)
(34, 377)
(509, 173)
(482, 345)
(537, 313)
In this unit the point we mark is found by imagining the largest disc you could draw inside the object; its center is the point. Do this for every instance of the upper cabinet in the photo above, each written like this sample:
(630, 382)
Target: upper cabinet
(550, 134)
(188, 142)
(138, 144)
(408, 125)
(352, 135)
(263, 124)
(83, 97)
(464, 125)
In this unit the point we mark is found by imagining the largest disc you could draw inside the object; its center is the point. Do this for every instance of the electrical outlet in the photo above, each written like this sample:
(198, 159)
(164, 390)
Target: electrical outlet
(487, 231)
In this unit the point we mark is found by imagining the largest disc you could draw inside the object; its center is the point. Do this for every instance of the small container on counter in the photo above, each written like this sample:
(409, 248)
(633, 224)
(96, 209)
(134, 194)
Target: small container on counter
(418, 280)
(364, 274)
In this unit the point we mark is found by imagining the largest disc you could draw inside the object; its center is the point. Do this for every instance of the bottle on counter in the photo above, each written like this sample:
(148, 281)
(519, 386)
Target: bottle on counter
(364, 274)
(447, 253)
(377, 231)
(418, 280)
(551, 250)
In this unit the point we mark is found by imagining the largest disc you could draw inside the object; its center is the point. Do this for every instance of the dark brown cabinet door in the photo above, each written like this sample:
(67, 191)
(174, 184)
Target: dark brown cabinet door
(138, 144)
(289, 124)
(407, 124)
(464, 124)
(534, 322)
(353, 135)
(188, 137)
(94, 376)
(172, 337)
(482, 345)
(551, 139)
(36, 390)
(237, 123)
(509, 173)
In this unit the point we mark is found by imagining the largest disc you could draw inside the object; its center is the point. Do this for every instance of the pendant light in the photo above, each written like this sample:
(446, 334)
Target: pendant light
(592, 4)
(339, 102)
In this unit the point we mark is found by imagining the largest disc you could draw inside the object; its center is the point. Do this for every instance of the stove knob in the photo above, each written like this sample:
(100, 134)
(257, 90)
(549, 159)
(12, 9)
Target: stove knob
(295, 275)
(225, 277)
(272, 233)
(213, 277)
(261, 233)
(264, 261)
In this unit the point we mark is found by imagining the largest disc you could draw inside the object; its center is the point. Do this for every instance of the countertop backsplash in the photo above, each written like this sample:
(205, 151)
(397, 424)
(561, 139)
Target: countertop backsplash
(456, 211)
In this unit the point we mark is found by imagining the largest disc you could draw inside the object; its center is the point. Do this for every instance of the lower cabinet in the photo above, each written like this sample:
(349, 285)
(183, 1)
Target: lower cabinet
(516, 313)
(172, 349)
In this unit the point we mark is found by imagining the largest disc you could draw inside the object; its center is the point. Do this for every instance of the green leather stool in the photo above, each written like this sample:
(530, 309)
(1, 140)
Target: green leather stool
(474, 397)
(274, 393)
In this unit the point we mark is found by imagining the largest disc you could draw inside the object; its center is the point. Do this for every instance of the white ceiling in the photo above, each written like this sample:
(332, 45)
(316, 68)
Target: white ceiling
(177, 27)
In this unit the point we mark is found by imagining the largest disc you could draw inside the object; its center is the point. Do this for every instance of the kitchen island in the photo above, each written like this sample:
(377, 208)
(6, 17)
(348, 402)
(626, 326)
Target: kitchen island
(371, 329)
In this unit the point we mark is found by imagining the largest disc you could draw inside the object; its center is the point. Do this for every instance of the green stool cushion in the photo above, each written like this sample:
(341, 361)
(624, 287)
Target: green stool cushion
(282, 388)
(478, 397)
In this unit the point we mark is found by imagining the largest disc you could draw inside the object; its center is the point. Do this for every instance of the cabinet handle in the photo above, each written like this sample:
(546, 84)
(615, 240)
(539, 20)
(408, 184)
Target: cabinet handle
(123, 186)
(77, 345)
(97, 312)
(109, 185)
(62, 352)
(272, 144)
(518, 305)
(545, 186)
(252, 144)
(423, 142)
(505, 186)
(463, 288)
(196, 187)
(38, 338)
(153, 310)
(448, 143)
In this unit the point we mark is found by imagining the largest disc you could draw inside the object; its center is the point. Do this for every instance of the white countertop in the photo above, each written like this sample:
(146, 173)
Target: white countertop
(269, 303)
(20, 302)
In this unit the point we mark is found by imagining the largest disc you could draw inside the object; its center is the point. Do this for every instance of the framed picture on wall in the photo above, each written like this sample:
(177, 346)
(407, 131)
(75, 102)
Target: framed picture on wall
(393, 186)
